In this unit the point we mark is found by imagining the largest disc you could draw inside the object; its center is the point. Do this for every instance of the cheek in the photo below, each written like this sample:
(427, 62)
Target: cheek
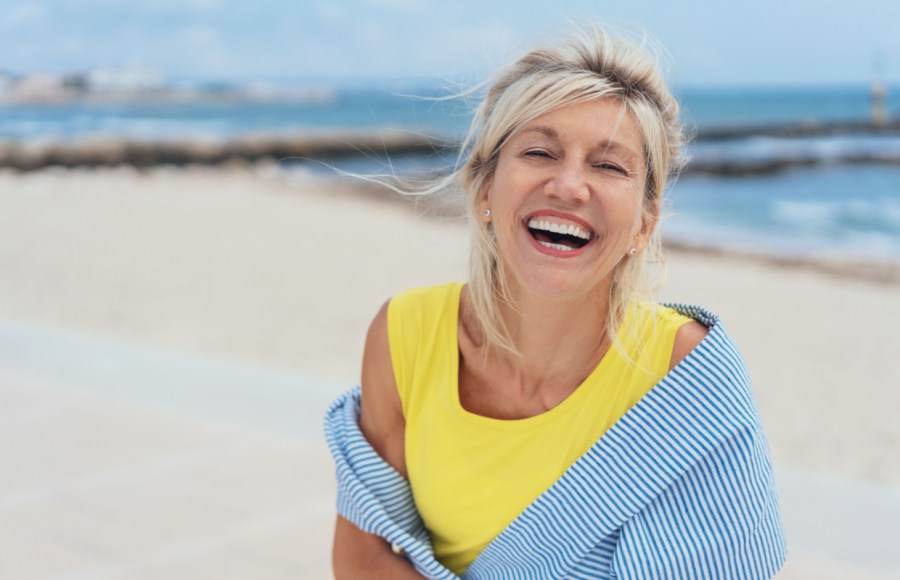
(623, 214)
(503, 200)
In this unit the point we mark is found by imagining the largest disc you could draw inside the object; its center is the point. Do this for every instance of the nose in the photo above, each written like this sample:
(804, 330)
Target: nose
(569, 183)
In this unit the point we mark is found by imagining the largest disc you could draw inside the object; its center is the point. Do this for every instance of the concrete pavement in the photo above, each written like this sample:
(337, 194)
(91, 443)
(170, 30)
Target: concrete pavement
(122, 461)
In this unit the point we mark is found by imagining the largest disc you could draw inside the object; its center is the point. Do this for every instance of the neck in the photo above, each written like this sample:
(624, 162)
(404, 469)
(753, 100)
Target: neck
(560, 341)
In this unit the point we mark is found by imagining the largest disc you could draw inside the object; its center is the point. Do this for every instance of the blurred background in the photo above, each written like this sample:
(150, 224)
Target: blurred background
(186, 278)
(767, 87)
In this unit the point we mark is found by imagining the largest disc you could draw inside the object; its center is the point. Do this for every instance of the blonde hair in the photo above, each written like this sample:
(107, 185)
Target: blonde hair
(592, 65)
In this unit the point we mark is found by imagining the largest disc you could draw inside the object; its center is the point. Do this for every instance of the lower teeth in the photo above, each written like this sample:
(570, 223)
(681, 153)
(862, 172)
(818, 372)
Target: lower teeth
(553, 246)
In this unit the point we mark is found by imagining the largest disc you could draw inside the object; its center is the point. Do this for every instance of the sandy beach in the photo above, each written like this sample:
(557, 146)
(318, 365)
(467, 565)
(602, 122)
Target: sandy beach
(172, 336)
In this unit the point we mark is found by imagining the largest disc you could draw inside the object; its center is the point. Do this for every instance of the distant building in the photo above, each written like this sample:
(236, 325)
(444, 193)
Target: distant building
(878, 103)
(39, 86)
(7, 82)
(132, 79)
(76, 82)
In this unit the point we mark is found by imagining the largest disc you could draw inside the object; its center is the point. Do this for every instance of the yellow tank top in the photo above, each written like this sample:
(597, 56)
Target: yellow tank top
(472, 475)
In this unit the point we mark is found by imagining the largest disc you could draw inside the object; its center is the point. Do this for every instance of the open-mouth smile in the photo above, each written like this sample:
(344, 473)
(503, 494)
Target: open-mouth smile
(558, 236)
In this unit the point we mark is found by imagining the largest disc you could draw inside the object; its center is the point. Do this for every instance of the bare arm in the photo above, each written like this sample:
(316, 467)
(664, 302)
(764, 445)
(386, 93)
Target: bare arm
(357, 554)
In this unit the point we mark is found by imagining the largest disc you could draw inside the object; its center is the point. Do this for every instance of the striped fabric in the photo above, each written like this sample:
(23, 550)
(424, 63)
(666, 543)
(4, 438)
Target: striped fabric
(680, 487)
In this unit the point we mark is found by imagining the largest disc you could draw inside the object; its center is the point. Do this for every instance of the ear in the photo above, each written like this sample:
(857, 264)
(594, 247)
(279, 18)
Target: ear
(649, 221)
(484, 197)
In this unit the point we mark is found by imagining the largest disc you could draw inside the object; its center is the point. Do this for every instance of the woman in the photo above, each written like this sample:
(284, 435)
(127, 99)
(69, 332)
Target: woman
(546, 419)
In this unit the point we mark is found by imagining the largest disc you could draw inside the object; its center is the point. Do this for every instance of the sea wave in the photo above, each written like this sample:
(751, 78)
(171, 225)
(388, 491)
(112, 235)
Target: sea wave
(853, 211)
(80, 127)
(823, 149)
(848, 215)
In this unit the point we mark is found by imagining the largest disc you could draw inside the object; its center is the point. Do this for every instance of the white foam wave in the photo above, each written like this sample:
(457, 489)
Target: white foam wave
(855, 215)
(827, 148)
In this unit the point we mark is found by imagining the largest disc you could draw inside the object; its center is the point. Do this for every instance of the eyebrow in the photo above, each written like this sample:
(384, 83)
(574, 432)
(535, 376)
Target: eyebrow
(549, 132)
(607, 144)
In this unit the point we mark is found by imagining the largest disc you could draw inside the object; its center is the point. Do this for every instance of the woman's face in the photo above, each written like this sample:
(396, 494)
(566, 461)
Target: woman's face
(565, 199)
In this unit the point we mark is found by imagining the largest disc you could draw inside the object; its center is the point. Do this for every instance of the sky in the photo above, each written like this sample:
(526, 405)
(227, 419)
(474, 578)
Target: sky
(710, 42)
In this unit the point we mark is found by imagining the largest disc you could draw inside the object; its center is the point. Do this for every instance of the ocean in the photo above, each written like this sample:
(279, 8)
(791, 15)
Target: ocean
(825, 207)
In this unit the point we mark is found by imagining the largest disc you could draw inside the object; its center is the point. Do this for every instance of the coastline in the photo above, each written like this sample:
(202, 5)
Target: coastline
(212, 151)
(332, 144)
(882, 271)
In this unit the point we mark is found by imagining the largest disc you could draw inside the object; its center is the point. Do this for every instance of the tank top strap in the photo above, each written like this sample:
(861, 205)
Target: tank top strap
(421, 332)
(657, 326)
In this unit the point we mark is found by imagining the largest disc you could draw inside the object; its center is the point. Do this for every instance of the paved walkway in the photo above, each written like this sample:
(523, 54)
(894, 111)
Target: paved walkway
(124, 462)
(128, 462)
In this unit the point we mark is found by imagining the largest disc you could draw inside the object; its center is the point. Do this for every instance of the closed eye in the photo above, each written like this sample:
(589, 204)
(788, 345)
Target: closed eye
(537, 153)
(611, 167)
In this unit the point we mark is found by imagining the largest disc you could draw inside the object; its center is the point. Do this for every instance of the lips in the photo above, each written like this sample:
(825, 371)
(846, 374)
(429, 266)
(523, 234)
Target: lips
(559, 234)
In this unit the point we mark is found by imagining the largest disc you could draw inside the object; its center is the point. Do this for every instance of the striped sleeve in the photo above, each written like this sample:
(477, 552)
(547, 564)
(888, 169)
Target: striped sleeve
(371, 494)
(719, 520)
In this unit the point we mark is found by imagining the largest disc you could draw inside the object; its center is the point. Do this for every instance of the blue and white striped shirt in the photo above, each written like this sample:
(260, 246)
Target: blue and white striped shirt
(680, 487)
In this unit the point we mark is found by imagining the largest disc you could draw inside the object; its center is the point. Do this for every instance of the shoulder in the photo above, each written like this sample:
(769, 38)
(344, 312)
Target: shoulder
(381, 416)
(377, 380)
(411, 317)
(688, 335)
(377, 336)
(391, 341)
(686, 339)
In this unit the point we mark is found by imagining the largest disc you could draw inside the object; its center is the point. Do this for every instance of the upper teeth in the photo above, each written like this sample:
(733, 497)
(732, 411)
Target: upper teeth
(568, 229)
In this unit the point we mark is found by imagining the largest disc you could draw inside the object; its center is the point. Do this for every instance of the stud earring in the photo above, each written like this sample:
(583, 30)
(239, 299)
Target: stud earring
(632, 251)
(487, 213)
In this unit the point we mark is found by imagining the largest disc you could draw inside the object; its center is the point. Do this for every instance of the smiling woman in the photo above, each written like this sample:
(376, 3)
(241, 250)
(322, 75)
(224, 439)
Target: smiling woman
(547, 418)
(580, 167)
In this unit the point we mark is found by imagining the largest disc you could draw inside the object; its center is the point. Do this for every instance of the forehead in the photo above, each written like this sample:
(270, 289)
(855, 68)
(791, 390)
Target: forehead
(600, 120)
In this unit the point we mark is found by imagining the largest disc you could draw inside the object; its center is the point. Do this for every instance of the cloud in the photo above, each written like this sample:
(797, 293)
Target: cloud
(397, 4)
(331, 12)
(145, 7)
(184, 6)
(490, 44)
(203, 5)
(24, 14)
(200, 36)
